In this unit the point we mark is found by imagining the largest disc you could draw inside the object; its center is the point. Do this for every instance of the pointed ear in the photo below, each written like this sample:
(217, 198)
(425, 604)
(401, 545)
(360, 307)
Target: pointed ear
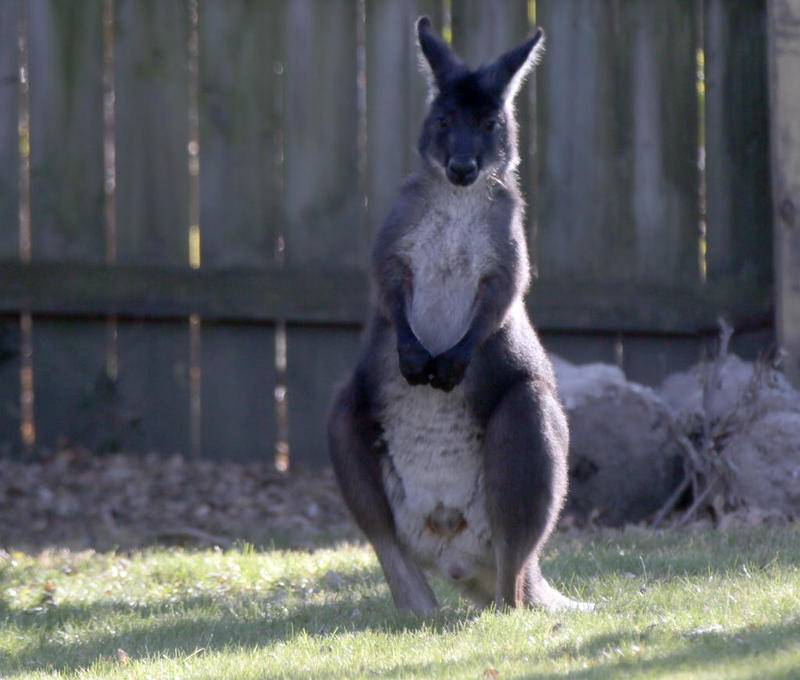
(437, 59)
(507, 74)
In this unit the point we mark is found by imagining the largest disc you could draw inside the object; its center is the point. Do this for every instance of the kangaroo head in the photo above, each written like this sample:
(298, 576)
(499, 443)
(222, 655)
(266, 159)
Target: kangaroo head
(470, 127)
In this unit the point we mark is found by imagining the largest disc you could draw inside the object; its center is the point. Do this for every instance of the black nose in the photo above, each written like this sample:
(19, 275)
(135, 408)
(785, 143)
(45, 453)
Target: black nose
(462, 172)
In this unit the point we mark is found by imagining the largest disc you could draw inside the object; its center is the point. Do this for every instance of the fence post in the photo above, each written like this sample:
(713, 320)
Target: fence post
(784, 52)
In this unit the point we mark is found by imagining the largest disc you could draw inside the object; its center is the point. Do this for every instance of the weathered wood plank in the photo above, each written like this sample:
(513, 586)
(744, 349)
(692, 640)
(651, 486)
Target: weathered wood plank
(9, 140)
(618, 178)
(238, 378)
(322, 195)
(318, 360)
(324, 221)
(396, 98)
(65, 56)
(738, 209)
(240, 213)
(74, 400)
(10, 12)
(341, 297)
(581, 348)
(153, 386)
(152, 130)
(240, 186)
(9, 385)
(784, 48)
(648, 360)
(152, 198)
(66, 129)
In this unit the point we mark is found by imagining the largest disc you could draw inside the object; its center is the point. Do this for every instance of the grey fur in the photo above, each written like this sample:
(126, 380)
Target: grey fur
(449, 441)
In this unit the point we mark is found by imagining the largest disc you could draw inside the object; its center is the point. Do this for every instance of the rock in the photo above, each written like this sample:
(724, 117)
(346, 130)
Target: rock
(764, 464)
(624, 458)
(683, 392)
(754, 414)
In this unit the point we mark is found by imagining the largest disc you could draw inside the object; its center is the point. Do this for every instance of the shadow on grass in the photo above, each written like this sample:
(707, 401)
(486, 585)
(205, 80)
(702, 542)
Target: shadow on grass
(181, 625)
(359, 601)
(696, 655)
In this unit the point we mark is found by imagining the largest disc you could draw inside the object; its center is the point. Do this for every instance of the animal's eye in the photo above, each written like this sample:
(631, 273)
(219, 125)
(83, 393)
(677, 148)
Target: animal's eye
(489, 124)
(443, 122)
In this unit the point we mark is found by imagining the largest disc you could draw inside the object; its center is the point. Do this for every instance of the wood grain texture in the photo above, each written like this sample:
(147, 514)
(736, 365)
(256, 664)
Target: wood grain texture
(152, 130)
(324, 223)
(738, 206)
(240, 102)
(649, 360)
(324, 217)
(75, 402)
(9, 385)
(152, 134)
(784, 47)
(341, 297)
(396, 98)
(238, 415)
(618, 178)
(318, 360)
(9, 139)
(66, 129)
(241, 213)
(153, 386)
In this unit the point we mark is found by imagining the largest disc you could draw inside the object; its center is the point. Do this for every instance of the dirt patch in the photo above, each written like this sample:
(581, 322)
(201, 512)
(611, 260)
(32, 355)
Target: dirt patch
(80, 500)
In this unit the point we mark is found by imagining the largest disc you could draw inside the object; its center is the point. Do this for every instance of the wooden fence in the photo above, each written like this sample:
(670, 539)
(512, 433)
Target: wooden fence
(188, 189)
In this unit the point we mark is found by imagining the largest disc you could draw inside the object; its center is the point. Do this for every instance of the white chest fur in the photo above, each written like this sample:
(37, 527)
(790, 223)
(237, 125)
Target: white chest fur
(434, 463)
(448, 251)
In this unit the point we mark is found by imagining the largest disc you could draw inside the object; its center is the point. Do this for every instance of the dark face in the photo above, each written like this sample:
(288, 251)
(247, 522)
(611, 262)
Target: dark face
(465, 130)
(469, 128)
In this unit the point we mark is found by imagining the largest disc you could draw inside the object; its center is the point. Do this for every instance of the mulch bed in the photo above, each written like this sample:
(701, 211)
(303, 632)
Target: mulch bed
(77, 499)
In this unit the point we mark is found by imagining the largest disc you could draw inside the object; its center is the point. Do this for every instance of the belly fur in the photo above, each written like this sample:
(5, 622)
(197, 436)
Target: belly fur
(434, 461)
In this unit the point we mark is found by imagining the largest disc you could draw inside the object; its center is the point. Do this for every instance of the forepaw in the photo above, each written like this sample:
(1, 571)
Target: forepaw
(414, 363)
(448, 369)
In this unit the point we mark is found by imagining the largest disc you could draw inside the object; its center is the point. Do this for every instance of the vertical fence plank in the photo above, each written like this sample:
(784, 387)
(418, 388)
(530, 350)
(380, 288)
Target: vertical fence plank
(239, 119)
(784, 48)
(318, 359)
(738, 214)
(153, 386)
(9, 217)
(9, 142)
(396, 97)
(71, 393)
(238, 393)
(323, 216)
(9, 384)
(240, 213)
(323, 220)
(152, 119)
(618, 173)
(66, 120)
(152, 133)
(65, 54)
(617, 194)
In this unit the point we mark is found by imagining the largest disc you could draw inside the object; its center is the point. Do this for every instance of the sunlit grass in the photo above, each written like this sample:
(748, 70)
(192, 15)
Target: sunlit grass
(674, 605)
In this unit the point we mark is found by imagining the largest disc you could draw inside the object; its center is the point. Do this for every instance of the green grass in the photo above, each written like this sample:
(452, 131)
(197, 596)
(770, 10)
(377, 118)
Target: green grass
(672, 605)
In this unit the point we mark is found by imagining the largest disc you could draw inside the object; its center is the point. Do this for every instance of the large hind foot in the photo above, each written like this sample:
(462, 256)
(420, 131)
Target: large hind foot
(541, 594)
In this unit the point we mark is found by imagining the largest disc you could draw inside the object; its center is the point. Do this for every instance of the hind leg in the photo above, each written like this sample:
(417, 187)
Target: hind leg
(525, 462)
(352, 437)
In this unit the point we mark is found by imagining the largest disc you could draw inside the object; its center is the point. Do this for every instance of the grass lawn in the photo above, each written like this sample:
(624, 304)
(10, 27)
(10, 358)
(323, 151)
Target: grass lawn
(672, 605)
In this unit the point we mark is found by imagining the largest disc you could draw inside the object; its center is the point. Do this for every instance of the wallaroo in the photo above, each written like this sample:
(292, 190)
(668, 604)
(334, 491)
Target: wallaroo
(449, 441)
